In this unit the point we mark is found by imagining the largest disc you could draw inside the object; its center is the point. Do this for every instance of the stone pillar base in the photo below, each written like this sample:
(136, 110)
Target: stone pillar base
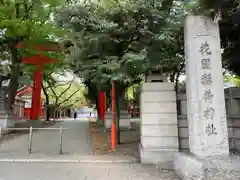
(190, 167)
(160, 157)
(6, 119)
(125, 122)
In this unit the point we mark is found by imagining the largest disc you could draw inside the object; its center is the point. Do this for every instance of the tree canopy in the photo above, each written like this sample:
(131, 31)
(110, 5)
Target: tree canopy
(227, 12)
(25, 22)
(122, 40)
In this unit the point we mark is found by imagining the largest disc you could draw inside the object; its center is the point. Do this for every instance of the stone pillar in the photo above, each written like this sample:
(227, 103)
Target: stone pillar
(155, 76)
(159, 132)
(125, 118)
(208, 134)
(6, 118)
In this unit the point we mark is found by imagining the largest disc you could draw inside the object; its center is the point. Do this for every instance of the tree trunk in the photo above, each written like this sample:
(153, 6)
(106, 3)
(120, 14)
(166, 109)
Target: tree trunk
(97, 107)
(93, 95)
(60, 113)
(12, 87)
(64, 113)
(177, 77)
(118, 118)
(172, 76)
(47, 118)
(13, 84)
(119, 92)
(54, 113)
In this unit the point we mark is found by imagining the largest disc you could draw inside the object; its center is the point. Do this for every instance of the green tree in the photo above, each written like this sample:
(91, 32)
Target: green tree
(228, 16)
(232, 79)
(122, 40)
(25, 22)
(64, 95)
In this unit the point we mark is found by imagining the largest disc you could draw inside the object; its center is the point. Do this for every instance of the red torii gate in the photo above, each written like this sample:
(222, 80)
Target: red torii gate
(102, 104)
(39, 61)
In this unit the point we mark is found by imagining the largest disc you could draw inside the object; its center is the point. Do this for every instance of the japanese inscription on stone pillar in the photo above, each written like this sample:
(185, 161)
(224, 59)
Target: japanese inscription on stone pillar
(206, 80)
(205, 92)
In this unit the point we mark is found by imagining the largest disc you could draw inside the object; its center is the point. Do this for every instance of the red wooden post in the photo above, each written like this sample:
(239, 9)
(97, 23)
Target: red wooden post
(102, 104)
(38, 60)
(36, 95)
(114, 129)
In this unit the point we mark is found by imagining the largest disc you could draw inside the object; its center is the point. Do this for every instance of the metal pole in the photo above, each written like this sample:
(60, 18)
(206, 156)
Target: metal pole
(61, 139)
(30, 140)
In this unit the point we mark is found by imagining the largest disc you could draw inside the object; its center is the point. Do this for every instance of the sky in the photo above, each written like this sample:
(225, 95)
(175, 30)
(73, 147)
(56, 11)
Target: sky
(69, 76)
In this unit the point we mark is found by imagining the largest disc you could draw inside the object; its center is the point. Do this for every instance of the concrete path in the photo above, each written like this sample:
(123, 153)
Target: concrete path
(85, 171)
(46, 143)
(77, 162)
(77, 146)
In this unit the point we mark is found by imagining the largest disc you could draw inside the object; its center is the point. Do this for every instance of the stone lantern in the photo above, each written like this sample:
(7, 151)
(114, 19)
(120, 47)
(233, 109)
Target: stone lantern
(155, 76)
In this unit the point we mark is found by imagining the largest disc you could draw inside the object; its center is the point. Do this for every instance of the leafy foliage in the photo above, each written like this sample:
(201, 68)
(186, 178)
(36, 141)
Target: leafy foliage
(66, 95)
(229, 26)
(25, 22)
(232, 79)
(121, 40)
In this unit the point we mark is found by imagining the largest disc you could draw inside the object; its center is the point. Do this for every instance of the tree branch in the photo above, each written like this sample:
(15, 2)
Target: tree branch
(56, 97)
(67, 99)
(72, 103)
(58, 85)
(70, 85)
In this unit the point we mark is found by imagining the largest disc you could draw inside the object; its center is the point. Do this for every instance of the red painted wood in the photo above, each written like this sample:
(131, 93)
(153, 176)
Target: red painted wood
(114, 128)
(27, 89)
(104, 104)
(38, 60)
(27, 112)
(101, 103)
(36, 95)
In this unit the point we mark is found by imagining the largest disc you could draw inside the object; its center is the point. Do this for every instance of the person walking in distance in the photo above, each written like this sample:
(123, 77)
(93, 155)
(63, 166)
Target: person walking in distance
(75, 115)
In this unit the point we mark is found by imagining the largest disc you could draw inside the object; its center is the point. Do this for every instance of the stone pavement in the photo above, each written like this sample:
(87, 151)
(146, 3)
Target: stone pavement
(77, 162)
(77, 146)
(46, 143)
(82, 171)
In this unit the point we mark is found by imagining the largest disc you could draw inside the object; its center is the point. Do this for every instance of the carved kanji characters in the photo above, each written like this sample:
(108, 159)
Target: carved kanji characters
(205, 49)
(209, 113)
(206, 79)
(208, 95)
(211, 130)
(206, 63)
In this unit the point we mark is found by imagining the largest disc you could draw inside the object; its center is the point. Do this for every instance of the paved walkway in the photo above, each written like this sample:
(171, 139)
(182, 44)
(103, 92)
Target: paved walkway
(77, 162)
(46, 143)
(77, 146)
(86, 171)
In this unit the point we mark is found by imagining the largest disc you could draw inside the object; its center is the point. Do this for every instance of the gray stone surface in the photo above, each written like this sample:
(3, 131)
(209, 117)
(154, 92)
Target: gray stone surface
(85, 171)
(124, 120)
(6, 118)
(189, 167)
(159, 157)
(208, 133)
(77, 146)
(46, 143)
(159, 132)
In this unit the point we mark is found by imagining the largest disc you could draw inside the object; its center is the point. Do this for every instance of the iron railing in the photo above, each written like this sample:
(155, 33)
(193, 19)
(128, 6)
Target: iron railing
(30, 139)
